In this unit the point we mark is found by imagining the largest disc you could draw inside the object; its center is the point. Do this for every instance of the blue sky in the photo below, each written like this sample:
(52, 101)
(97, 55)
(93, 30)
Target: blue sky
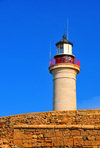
(26, 29)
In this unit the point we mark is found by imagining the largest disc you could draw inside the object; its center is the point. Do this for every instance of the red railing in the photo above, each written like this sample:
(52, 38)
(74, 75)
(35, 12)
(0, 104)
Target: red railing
(59, 60)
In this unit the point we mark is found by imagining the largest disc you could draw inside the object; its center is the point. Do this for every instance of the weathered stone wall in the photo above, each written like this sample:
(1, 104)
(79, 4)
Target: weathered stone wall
(51, 129)
(54, 136)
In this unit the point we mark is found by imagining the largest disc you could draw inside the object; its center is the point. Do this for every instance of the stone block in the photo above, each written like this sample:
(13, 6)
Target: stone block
(89, 143)
(97, 142)
(18, 142)
(75, 132)
(78, 141)
(68, 141)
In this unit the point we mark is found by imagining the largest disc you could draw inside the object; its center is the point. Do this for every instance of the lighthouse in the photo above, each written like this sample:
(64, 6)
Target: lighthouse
(64, 68)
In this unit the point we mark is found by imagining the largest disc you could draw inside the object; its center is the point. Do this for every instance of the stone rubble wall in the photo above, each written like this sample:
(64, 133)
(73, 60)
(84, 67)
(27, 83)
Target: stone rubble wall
(79, 128)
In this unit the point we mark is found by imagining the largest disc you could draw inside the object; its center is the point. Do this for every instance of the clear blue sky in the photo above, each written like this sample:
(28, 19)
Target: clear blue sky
(26, 28)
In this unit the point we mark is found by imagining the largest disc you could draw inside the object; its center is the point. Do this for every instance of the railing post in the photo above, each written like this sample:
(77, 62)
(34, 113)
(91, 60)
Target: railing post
(50, 63)
(78, 63)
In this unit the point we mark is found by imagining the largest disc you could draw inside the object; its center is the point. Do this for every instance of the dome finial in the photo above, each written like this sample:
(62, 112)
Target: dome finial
(64, 36)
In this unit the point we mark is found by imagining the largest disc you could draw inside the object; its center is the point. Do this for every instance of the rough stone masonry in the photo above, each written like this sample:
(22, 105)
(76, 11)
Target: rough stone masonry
(54, 129)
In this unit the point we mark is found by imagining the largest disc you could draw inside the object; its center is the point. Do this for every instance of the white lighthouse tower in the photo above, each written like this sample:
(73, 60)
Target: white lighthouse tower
(64, 68)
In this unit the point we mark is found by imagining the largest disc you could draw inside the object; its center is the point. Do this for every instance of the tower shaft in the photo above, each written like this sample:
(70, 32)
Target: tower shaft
(64, 86)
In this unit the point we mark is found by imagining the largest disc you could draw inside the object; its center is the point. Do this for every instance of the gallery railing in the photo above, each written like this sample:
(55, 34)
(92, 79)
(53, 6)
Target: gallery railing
(59, 60)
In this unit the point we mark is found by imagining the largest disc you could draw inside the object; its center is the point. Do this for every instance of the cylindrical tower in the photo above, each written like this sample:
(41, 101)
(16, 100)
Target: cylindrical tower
(64, 68)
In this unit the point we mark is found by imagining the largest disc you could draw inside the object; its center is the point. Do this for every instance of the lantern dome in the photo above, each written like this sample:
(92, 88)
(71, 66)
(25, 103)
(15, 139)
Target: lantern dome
(64, 46)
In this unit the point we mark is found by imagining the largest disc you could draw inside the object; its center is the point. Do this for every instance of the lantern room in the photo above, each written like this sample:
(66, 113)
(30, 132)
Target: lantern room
(64, 46)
